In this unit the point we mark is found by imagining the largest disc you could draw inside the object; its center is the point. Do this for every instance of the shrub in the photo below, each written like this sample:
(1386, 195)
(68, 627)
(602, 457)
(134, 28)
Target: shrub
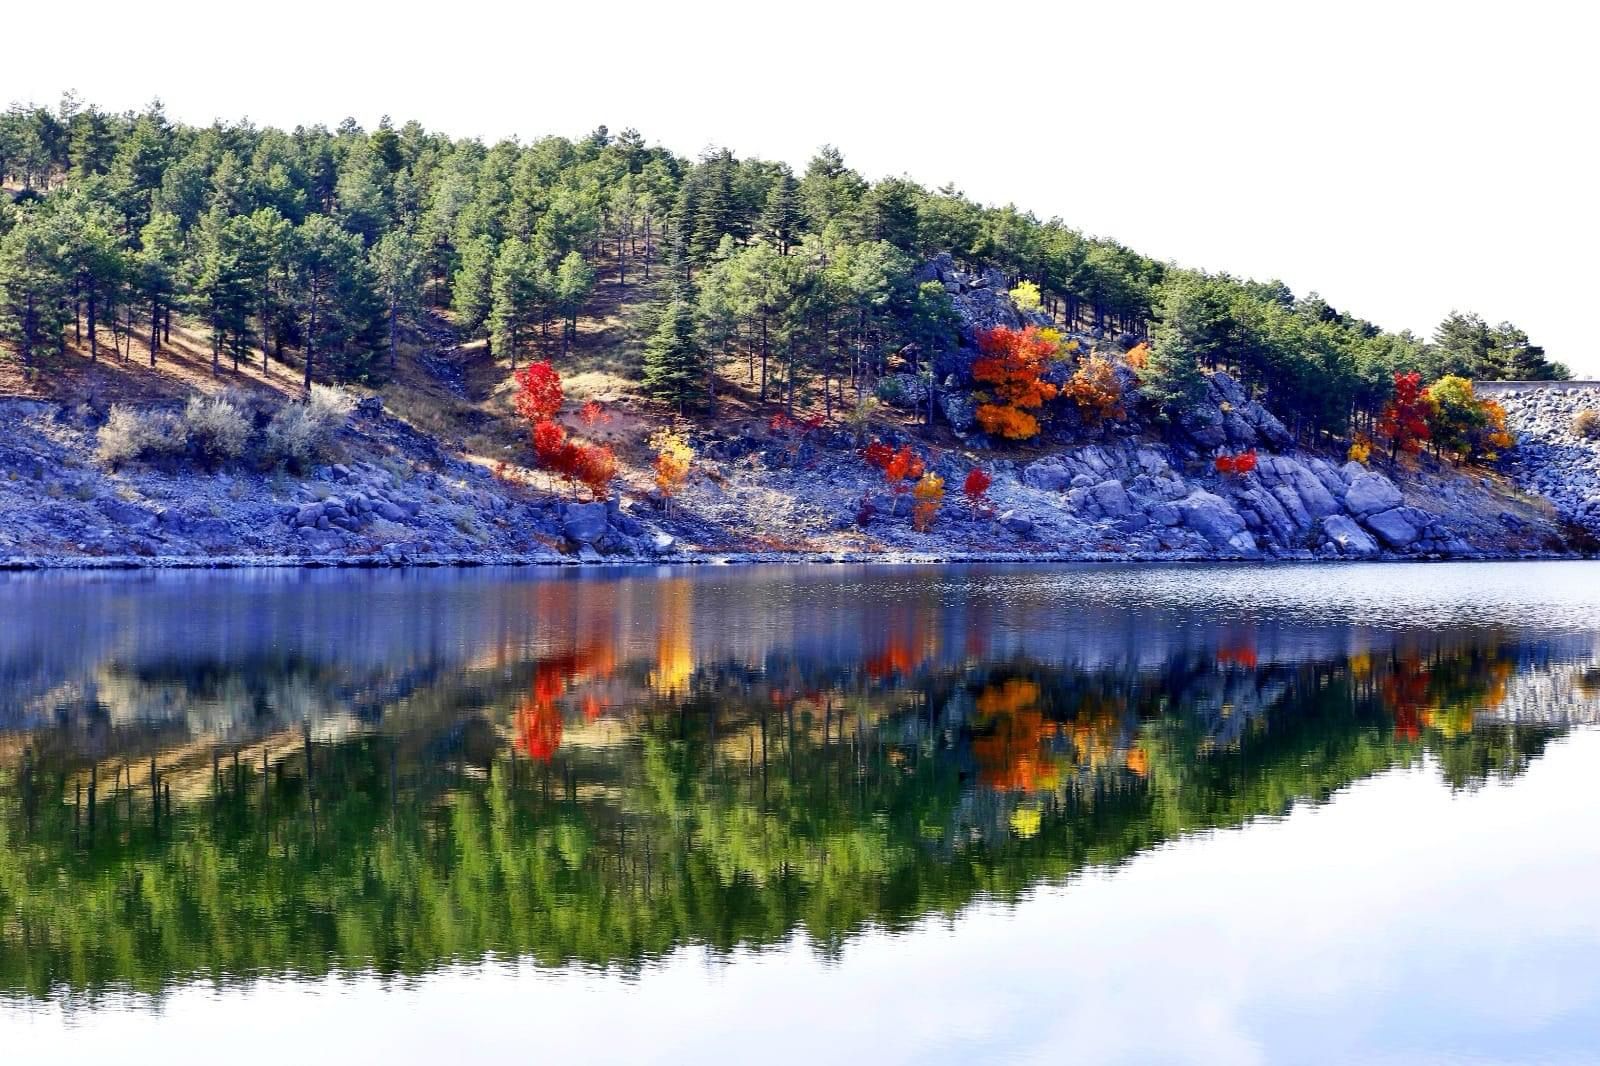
(1239, 464)
(976, 486)
(928, 494)
(1096, 391)
(303, 432)
(1012, 361)
(1586, 424)
(129, 434)
(214, 429)
(673, 456)
(1360, 449)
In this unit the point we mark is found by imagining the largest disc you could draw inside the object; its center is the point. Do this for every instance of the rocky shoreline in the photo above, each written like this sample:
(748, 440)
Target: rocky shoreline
(398, 498)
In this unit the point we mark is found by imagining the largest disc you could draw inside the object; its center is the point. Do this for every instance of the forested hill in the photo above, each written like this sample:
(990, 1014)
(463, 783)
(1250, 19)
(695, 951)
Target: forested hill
(324, 249)
(394, 344)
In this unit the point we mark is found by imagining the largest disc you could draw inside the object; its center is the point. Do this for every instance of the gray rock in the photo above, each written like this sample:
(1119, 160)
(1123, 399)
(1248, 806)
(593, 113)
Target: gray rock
(960, 410)
(126, 515)
(1351, 539)
(1393, 527)
(308, 514)
(1370, 493)
(906, 391)
(661, 543)
(386, 510)
(584, 523)
(1214, 519)
(1019, 524)
(1112, 499)
(1047, 475)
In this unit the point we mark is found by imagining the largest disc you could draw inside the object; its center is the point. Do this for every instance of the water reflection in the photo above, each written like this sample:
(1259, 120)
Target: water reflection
(228, 777)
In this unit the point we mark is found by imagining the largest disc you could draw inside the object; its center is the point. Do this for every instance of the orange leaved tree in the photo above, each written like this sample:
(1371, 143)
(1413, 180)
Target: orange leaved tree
(673, 456)
(1012, 362)
(899, 467)
(1096, 391)
(928, 494)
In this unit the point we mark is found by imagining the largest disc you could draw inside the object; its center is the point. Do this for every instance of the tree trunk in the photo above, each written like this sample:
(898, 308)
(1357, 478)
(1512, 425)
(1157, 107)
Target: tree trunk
(155, 329)
(94, 342)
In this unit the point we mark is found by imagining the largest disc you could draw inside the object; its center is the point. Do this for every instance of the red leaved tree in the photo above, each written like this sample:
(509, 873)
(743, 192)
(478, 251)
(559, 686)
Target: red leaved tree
(1404, 422)
(975, 487)
(539, 393)
(900, 468)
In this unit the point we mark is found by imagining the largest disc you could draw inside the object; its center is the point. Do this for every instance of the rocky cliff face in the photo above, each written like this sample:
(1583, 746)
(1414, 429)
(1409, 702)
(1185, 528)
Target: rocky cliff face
(1552, 458)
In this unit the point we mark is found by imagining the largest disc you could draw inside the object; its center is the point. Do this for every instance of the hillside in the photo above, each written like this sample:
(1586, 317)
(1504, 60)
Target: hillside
(170, 295)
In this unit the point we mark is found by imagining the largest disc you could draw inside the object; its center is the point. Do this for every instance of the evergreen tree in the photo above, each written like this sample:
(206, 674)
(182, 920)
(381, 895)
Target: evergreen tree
(33, 287)
(675, 366)
(397, 266)
(1189, 332)
(574, 280)
(156, 271)
(781, 217)
(516, 297)
(472, 291)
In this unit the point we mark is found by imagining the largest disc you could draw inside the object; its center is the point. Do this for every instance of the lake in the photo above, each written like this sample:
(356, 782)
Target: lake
(1091, 813)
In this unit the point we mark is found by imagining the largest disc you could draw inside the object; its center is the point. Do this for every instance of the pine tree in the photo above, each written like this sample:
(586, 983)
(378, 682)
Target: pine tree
(675, 366)
(574, 280)
(516, 297)
(33, 287)
(781, 218)
(471, 292)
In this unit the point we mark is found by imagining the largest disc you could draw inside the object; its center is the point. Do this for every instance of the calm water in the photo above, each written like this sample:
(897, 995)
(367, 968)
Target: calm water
(1080, 813)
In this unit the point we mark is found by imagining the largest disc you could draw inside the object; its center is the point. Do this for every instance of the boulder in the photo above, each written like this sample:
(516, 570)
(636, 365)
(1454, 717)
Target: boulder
(583, 523)
(1351, 539)
(661, 543)
(1393, 527)
(1370, 493)
(960, 410)
(1019, 524)
(1047, 475)
(1215, 519)
(1111, 499)
(126, 515)
(386, 510)
(907, 391)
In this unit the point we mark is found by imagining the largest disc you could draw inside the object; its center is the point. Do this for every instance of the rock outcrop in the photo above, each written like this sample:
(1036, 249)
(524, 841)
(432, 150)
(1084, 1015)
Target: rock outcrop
(1551, 458)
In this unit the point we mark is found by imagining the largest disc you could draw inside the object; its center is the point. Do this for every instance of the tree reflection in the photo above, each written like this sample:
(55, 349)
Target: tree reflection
(591, 780)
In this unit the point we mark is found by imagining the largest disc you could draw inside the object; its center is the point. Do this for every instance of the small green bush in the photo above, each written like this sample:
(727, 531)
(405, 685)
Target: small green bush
(130, 434)
(1586, 425)
(302, 433)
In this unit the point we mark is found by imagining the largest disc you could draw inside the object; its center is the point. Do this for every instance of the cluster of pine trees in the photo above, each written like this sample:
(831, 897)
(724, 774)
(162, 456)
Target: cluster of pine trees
(320, 248)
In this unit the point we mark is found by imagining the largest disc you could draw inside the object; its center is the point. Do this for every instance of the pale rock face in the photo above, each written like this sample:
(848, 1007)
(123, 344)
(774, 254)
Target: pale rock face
(1393, 527)
(1215, 519)
(1350, 538)
(1371, 492)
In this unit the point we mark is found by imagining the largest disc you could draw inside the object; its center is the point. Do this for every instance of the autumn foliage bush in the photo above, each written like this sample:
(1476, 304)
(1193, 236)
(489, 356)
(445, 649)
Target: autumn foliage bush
(1096, 391)
(1404, 421)
(673, 458)
(1238, 464)
(976, 487)
(900, 467)
(538, 400)
(1586, 424)
(1360, 449)
(1012, 362)
(928, 494)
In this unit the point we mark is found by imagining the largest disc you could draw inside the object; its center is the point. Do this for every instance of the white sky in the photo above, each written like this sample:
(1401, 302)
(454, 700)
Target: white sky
(1401, 159)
